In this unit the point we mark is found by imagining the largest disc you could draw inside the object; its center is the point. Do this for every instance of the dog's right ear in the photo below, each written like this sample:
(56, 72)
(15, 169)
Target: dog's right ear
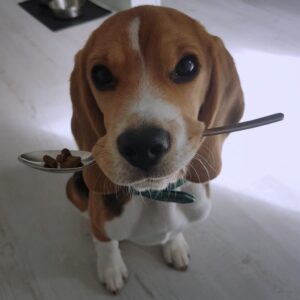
(87, 122)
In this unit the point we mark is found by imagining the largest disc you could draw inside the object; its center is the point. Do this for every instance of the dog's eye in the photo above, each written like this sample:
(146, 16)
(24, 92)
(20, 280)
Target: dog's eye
(186, 69)
(103, 78)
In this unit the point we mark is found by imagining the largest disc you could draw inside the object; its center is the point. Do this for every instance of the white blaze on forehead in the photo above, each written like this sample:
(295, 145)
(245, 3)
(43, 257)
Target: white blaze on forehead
(150, 108)
(134, 34)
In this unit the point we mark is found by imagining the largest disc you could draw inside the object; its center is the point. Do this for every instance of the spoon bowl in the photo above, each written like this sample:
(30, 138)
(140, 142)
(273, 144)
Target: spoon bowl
(35, 160)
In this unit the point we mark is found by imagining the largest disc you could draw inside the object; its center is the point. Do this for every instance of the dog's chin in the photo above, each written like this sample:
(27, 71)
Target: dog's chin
(158, 183)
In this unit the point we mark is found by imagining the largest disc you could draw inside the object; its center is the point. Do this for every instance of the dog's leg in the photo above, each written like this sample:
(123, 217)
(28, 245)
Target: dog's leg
(176, 252)
(111, 268)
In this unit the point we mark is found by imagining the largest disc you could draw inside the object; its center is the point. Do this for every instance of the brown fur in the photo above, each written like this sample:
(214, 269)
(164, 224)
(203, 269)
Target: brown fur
(103, 208)
(78, 192)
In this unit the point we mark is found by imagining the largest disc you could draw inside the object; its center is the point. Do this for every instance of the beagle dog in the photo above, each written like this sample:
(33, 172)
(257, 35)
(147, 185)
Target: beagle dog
(145, 86)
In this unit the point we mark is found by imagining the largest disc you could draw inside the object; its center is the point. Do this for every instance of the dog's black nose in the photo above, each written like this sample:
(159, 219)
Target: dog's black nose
(144, 147)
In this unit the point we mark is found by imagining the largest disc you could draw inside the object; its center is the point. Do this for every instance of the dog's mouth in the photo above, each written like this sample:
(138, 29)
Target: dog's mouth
(156, 183)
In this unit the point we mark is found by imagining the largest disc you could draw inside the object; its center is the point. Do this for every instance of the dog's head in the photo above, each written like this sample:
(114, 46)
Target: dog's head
(144, 88)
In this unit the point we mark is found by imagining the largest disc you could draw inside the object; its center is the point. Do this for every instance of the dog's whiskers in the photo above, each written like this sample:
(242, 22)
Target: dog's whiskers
(191, 164)
(210, 152)
(199, 156)
(203, 165)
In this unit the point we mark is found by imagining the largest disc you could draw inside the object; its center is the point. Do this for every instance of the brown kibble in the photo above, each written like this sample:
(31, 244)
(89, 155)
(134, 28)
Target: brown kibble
(60, 158)
(64, 160)
(72, 162)
(50, 162)
(65, 153)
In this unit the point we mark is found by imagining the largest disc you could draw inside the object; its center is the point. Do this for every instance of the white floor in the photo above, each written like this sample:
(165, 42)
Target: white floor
(248, 249)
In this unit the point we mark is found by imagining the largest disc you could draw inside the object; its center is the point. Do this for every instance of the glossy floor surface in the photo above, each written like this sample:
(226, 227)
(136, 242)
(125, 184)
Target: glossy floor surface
(248, 248)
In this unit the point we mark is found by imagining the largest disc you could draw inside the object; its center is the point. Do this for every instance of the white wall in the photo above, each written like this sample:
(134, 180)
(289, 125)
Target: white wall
(144, 2)
(124, 4)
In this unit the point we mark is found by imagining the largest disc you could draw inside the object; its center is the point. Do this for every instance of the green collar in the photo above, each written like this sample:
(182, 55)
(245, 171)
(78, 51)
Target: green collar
(168, 194)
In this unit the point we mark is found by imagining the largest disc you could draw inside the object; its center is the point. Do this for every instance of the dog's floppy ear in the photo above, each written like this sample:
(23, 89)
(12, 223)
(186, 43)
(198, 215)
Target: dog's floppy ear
(87, 122)
(223, 105)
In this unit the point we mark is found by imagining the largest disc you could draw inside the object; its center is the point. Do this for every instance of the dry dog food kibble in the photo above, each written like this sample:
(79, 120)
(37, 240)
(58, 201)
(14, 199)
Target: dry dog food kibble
(49, 162)
(63, 160)
(65, 153)
(71, 162)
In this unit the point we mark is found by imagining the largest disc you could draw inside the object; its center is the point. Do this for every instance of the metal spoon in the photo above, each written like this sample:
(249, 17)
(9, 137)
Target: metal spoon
(35, 159)
(245, 125)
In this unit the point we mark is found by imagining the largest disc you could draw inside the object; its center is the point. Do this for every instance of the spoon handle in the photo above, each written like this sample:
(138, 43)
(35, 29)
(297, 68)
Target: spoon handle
(245, 125)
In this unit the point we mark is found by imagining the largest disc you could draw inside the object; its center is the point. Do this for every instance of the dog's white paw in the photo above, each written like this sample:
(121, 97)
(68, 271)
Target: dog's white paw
(112, 271)
(176, 253)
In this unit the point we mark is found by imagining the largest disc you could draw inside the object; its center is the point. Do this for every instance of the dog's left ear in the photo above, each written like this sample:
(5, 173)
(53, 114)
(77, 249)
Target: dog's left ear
(223, 105)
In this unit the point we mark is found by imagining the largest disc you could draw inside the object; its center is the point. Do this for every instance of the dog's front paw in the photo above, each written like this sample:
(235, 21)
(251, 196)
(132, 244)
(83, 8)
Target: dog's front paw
(112, 271)
(176, 253)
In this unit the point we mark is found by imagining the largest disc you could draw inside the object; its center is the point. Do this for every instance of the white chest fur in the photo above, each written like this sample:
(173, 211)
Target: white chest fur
(151, 222)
